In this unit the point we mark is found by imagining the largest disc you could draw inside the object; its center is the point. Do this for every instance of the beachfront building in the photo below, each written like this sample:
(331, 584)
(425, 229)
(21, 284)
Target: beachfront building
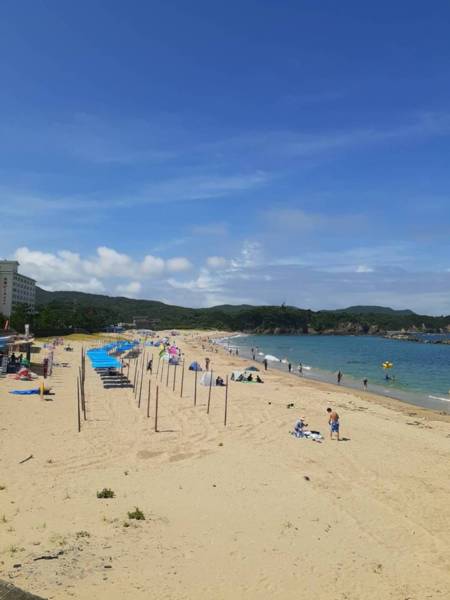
(15, 288)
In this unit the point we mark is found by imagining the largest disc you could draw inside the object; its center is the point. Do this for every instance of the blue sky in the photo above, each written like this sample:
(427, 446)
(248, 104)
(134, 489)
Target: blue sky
(209, 152)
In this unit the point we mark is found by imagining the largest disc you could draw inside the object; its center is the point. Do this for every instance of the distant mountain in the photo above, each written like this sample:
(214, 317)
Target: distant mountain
(61, 312)
(373, 310)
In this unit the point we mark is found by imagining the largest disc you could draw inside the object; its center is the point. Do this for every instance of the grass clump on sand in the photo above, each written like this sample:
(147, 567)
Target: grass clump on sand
(136, 514)
(106, 493)
(82, 534)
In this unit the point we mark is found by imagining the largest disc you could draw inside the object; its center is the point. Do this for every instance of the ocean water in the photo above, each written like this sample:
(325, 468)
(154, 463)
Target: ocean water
(421, 372)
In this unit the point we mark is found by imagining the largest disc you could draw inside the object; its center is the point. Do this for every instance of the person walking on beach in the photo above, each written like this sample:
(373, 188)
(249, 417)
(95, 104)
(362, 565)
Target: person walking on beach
(150, 365)
(265, 364)
(333, 422)
(290, 367)
(207, 361)
(365, 383)
(300, 369)
(339, 377)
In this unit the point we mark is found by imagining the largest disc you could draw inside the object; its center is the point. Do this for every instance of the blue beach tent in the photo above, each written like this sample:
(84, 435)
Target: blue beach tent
(195, 366)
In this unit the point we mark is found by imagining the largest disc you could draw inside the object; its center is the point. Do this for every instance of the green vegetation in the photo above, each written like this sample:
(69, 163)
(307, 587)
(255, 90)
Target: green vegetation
(137, 514)
(106, 493)
(77, 313)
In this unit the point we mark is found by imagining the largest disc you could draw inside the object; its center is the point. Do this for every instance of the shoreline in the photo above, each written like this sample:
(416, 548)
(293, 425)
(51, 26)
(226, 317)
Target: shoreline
(391, 402)
(244, 510)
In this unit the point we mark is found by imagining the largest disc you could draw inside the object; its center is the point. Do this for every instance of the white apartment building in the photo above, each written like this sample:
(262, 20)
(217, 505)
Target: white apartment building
(14, 288)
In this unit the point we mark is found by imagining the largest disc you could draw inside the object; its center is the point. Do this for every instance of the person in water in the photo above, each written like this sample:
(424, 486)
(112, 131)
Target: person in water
(333, 422)
(300, 369)
(339, 377)
(365, 383)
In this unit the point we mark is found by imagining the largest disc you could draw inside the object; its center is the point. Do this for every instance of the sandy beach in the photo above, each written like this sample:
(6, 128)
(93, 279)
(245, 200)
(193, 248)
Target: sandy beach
(242, 511)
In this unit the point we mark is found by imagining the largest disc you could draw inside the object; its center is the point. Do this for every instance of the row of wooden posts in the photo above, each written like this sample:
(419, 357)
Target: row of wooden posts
(138, 380)
(140, 367)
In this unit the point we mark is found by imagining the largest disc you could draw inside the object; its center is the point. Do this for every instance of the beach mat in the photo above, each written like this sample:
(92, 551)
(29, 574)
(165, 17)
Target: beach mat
(10, 592)
(118, 386)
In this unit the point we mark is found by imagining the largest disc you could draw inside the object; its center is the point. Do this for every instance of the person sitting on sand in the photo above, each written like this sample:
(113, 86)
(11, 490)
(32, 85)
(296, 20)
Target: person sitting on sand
(299, 427)
(250, 377)
(219, 381)
(258, 379)
(333, 422)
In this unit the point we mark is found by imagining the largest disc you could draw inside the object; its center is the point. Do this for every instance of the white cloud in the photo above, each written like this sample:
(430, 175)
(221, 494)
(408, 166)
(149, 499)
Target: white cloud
(68, 270)
(178, 264)
(130, 289)
(109, 262)
(200, 187)
(152, 265)
(364, 269)
(216, 262)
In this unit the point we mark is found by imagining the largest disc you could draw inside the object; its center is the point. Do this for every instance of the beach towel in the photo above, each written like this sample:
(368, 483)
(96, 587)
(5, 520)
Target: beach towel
(25, 392)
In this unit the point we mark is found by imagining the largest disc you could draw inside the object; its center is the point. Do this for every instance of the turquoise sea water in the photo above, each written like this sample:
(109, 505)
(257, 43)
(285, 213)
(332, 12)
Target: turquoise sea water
(421, 371)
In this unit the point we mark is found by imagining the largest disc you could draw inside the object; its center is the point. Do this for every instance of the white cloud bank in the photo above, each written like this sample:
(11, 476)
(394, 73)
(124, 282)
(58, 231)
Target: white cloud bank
(327, 280)
(65, 270)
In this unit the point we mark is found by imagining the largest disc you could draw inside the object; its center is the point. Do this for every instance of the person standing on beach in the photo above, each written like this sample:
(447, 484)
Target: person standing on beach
(265, 364)
(333, 422)
(207, 361)
(290, 367)
(365, 383)
(339, 377)
(300, 369)
(150, 365)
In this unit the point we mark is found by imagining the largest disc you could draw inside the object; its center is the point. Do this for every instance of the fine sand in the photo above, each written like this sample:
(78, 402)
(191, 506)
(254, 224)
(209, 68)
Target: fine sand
(244, 511)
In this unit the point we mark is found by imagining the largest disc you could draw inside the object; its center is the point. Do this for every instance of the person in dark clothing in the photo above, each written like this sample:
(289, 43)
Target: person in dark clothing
(265, 364)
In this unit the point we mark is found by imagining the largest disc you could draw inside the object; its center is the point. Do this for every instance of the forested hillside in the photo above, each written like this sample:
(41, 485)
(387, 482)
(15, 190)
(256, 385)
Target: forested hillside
(63, 312)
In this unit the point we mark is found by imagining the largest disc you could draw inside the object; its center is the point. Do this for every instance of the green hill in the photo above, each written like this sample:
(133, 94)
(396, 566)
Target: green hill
(61, 312)
(374, 310)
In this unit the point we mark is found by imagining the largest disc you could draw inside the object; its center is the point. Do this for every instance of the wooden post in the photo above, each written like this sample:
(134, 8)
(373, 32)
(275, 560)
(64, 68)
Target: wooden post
(226, 403)
(182, 381)
(148, 397)
(139, 372)
(174, 376)
(157, 370)
(167, 378)
(140, 389)
(195, 388)
(209, 392)
(78, 405)
(83, 403)
(135, 374)
(156, 408)
(162, 371)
